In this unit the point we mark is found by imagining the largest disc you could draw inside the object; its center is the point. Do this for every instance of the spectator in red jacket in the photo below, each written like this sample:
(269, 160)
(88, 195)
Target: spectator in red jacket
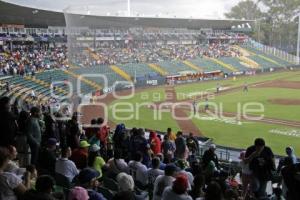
(155, 143)
(80, 155)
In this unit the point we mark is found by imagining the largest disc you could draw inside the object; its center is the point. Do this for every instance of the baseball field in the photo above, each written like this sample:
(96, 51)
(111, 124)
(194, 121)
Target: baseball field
(234, 116)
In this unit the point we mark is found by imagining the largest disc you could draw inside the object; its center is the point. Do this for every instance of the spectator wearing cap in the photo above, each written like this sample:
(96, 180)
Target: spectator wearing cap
(182, 164)
(262, 164)
(78, 193)
(95, 161)
(137, 170)
(178, 190)
(47, 158)
(64, 166)
(164, 181)
(155, 143)
(34, 133)
(80, 155)
(87, 179)
(210, 163)
(210, 155)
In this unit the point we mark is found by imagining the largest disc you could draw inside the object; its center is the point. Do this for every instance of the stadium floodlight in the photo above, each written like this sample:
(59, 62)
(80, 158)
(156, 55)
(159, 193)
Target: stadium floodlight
(35, 12)
(128, 8)
(298, 40)
(298, 37)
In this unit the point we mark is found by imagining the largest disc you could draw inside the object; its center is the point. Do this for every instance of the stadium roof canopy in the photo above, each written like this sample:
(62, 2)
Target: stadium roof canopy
(32, 17)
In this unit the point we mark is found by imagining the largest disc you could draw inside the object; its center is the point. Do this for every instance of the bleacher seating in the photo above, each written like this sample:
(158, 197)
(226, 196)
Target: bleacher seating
(173, 67)
(136, 69)
(235, 62)
(207, 65)
(280, 61)
(99, 70)
(262, 62)
(58, 75)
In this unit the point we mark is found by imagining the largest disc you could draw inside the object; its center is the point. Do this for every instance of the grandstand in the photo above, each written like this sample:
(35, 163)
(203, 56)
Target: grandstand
(190, 50)
(174, 66)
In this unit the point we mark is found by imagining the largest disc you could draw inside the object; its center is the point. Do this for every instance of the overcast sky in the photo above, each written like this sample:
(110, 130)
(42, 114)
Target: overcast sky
(206, 9)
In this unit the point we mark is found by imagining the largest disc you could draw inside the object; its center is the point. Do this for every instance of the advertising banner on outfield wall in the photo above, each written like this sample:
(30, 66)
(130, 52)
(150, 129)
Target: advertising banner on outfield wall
(151, 81)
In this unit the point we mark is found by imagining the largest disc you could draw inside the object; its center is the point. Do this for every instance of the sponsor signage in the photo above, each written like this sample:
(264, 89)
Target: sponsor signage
(151, 82)
(12, 26)
(108, 90)
(238, 73)
(105, 38)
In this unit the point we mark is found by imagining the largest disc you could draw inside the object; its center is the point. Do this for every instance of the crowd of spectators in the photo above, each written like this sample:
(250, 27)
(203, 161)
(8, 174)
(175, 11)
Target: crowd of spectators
(42, 157)
(28, 59)
(130, 47)
(149, 52)
(118, 46)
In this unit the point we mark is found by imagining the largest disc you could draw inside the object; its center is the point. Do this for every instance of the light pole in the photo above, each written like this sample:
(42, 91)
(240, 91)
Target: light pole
(298, 40)
(128, 8)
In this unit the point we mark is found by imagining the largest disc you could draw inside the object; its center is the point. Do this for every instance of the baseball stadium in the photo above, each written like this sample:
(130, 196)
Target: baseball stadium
(210, 79)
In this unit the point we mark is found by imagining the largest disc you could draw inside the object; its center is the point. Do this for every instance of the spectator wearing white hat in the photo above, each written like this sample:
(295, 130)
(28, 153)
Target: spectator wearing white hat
(210, 163)
(210, 155)
(125, 182)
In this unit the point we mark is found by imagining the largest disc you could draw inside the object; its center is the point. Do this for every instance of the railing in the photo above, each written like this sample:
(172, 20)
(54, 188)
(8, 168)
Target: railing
(222, 153)
(273, 51)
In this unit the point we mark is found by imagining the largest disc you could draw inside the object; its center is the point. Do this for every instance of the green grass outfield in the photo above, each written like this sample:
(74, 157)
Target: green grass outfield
(232, 135)
(261, 96)
(241, 136)
(295, 78)
(211, 85)
(143, 116)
